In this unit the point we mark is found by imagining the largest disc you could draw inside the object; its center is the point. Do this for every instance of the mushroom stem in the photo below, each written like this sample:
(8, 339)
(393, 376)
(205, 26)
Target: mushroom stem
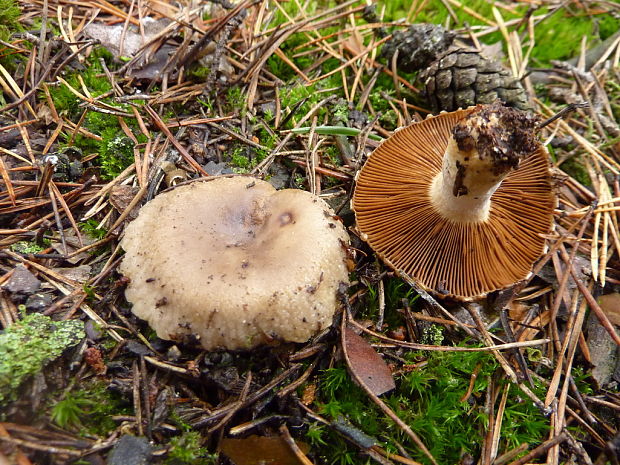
(462, 190)
(484, 147)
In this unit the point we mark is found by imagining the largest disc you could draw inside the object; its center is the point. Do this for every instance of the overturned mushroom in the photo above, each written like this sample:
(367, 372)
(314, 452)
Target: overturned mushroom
(460, 202)
(235, 263)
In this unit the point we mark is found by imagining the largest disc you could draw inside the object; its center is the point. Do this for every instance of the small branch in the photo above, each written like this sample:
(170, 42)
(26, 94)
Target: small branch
(541, 449)
(563, 112)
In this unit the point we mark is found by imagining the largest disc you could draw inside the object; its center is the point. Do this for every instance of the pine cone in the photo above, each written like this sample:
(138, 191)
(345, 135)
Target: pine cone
(453, 77)
(460, 78)
(418, 46)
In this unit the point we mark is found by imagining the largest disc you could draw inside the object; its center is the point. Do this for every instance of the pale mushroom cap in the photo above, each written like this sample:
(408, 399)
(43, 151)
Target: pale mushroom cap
(461, 260)
(235, 263)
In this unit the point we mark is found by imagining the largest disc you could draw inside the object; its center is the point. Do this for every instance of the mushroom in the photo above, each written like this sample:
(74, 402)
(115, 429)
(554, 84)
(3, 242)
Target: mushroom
(235, 263)
(460, 202)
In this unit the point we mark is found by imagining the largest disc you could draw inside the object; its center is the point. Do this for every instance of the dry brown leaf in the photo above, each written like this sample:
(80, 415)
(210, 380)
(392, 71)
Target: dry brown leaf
(261, 450)
(80, 273)
(368, 364)
(610, 304)
(603, 353)
(121, 197)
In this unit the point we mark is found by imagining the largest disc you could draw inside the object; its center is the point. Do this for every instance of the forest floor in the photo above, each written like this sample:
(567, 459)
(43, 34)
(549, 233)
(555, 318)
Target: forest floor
(104, 104)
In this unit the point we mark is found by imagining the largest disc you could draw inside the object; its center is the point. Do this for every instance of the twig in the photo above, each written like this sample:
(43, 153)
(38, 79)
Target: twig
(504, 363)
(184, 153)
(434, 304)
(600, 314)
(544, 447)
(251, 398)
(137, 404)
(563, 112)
(40, 447)
(432, 348)
(290, 442)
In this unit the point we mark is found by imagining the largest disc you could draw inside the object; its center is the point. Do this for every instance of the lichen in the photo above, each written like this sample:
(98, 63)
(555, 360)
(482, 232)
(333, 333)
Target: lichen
(26, 247)
(28, 345)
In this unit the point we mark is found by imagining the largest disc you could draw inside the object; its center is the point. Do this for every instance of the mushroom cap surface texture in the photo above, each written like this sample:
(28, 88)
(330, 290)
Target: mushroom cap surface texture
(235, 263)
(460, 260)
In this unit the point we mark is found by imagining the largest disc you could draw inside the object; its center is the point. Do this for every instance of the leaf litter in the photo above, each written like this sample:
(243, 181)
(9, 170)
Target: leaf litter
(249, 88)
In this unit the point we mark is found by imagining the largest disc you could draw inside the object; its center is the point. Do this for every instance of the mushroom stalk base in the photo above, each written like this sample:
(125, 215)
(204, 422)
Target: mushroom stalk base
(462, 190)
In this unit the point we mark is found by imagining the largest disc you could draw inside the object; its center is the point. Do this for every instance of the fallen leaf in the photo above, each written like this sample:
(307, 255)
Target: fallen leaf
(22, 282)
(150, 64)
(133, 40)
(72, 243)
(121, 197)
(610, 304)
(367, 364)
(45, 113)
(261, 450)
(603, 352)
(80, 274)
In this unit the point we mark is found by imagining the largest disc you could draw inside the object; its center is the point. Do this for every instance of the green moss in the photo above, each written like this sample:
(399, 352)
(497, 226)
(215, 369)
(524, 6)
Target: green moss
(295, 44)
(395, 290)
(10, 59)
(435, 12)
(429, 400)
(302, 98)
(613, 94)
(239, 160)
(236, 100)
(332, 154)
(558, 37)
(95, 81)
(277, 66)
(115, 153)
(90, 227)
(9, 14)
(607, 24)
(565, 31)
(378, 101)
(89, 291)
(432, 335)
(339, 112)
(187, 449)
(115, 150)
(574, 168)
(28, 345)
(89, 410)
(198, 73)
(208, 104)
(244, 158)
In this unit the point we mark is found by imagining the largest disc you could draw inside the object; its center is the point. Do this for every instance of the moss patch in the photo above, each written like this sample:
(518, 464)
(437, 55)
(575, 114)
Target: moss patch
(9, 13)
(26, 346)
(187, 449)
(431, 399)
(89, 410)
